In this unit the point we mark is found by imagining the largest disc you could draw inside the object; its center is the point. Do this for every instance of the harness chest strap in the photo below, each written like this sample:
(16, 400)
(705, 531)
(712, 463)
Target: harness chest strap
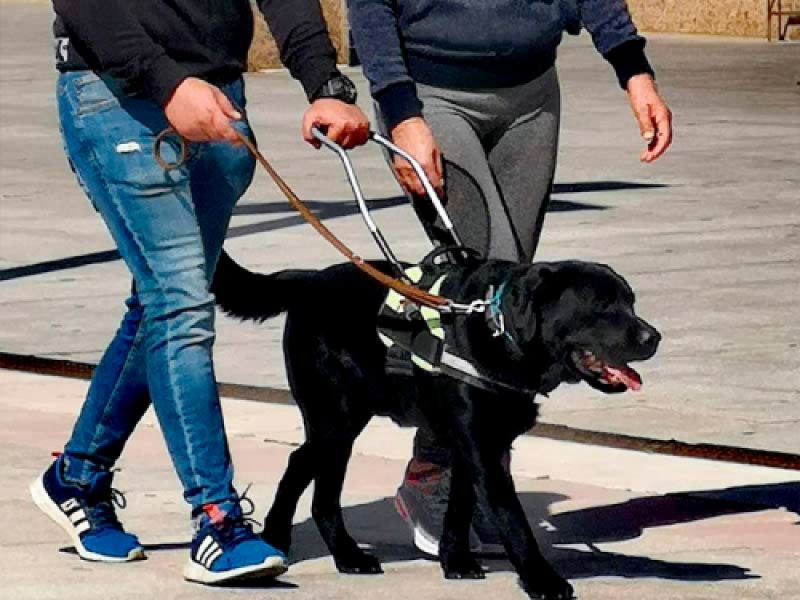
(419, 335)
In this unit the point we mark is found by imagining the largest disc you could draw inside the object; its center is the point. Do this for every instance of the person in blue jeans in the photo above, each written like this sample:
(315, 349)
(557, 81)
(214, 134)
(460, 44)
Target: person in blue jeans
(127, 72)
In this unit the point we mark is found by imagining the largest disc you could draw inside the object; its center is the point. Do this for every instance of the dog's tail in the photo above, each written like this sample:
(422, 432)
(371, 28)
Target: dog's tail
(256, 296)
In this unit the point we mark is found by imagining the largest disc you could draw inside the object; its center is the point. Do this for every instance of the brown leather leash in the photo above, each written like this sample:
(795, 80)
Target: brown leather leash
(412, 293)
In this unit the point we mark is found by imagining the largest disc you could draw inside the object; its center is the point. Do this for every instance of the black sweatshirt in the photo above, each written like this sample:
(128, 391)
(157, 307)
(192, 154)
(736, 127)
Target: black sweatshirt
(153, 45)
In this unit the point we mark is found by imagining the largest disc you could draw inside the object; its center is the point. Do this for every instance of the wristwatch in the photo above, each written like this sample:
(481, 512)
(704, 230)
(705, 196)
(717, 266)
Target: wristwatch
(338, 87)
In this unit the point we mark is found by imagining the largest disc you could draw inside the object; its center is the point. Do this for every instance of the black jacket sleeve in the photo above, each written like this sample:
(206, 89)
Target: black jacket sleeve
(123, 49)
(303, 41)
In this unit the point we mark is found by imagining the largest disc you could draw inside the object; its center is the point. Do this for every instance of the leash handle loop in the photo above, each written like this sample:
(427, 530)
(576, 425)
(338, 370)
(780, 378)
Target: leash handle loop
(182, 154)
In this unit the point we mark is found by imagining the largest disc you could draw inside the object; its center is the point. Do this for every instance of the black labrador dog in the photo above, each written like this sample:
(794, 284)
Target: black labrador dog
(561, 322)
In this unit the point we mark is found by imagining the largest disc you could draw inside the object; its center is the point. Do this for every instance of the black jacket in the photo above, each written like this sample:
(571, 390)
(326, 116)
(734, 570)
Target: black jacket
(152, 45)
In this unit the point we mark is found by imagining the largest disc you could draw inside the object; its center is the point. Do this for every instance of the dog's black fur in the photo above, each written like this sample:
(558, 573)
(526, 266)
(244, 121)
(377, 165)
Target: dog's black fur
(555, 312)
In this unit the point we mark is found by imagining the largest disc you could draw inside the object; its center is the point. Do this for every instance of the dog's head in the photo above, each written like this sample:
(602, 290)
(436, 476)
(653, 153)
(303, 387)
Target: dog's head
(582, 315)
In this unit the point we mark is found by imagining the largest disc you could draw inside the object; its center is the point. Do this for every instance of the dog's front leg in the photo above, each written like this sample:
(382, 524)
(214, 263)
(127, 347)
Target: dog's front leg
(494, 488)
(454, 552)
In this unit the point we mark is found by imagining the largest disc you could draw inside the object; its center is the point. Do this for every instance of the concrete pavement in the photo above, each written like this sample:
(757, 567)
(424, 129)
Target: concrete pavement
(619, 524)
(709, 237)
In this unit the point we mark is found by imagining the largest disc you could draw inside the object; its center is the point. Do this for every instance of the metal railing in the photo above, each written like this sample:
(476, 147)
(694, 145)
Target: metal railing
(775, 9)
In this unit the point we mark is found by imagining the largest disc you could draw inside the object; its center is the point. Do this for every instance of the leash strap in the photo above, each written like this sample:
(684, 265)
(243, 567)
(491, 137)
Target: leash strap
(412, 293)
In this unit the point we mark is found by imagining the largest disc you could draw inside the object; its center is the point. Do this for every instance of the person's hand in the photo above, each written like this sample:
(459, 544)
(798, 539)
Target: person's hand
(652, 114)
(344, 124)
(200, 112)
(415, 137)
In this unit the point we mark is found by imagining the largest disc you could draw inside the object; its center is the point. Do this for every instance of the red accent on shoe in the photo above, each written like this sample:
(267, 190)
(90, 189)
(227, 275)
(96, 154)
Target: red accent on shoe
(422, 472)
(400, 508)
(215, 514)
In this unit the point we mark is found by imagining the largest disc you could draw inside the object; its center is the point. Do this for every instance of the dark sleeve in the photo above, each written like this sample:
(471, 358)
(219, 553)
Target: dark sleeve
(377, 40)
(123, 49)
(303, 42)
(615, 37)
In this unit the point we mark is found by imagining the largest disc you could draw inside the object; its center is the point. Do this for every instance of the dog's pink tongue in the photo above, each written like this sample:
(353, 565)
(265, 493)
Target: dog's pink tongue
(624, 375)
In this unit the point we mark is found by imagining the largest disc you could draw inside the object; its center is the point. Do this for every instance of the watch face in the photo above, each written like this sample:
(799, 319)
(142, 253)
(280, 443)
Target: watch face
(340, 88)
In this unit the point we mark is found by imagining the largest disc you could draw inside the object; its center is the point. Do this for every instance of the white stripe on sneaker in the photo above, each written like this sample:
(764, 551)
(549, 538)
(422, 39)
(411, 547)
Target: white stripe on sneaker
(211, 550)
(206, 546)
(77, 516)
(70, 505)
(201, 549)
(82, 526)
(212, 557)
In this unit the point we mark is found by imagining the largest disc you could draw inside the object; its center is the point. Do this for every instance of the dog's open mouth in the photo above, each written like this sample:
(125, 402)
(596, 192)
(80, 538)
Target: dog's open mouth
(604, 376)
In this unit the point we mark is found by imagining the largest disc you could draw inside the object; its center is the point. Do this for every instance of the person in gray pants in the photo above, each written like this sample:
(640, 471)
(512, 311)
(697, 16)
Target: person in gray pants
(470, 89)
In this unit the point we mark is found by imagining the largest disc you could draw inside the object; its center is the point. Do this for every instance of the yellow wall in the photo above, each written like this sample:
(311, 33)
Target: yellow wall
(746, 18)
(723, 17)
(263, 53)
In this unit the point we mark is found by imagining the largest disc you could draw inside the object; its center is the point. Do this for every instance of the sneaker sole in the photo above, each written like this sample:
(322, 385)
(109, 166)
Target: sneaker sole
(421, 540)
(48, 507)
(271, 567)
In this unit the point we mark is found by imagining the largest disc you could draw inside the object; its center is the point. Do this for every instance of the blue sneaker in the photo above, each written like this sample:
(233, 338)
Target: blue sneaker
(87, 514)
(225, 549)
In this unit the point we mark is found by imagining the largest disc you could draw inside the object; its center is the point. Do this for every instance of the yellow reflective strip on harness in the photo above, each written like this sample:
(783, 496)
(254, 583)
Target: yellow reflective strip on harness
(394, 301)
(423, 364)
(414, 274)
(433, 318)
(387, 341)
(421, 338)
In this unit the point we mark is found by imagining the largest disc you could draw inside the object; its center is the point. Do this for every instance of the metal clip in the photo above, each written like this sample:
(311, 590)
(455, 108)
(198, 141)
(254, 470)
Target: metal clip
(476, 306)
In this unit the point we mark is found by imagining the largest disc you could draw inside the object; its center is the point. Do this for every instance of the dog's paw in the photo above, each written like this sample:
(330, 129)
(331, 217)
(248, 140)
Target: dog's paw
(363, 563)
(462, 566)
(550, 587)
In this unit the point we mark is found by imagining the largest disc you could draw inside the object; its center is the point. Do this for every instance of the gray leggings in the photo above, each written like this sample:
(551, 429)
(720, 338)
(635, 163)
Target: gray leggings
(499, 148)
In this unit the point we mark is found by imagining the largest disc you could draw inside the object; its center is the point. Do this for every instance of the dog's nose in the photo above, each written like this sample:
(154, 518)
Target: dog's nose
(649, 337)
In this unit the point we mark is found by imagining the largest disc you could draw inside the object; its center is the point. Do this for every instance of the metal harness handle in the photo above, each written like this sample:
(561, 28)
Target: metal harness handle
(411, 292)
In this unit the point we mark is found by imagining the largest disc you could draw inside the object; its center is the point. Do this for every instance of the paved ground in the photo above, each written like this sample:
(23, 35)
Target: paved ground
(621, 525)
(709, 237)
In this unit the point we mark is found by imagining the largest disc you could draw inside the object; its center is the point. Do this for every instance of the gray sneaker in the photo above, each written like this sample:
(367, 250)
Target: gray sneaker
(421, 501)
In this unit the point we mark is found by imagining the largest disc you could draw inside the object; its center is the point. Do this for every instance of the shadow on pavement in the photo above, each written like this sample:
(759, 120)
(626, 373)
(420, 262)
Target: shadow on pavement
(147, 547)
(324, 210)
(378, 526)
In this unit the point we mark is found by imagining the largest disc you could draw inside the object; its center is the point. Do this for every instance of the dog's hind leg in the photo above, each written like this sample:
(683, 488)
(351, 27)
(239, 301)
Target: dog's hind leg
(278, 523)
(331, 456)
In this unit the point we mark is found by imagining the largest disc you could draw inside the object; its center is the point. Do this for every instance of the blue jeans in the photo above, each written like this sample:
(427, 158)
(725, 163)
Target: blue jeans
(169, 227)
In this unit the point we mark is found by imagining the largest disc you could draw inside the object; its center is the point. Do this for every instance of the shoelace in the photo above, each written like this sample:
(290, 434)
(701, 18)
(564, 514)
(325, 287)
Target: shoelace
(237, 527)
(102, 513)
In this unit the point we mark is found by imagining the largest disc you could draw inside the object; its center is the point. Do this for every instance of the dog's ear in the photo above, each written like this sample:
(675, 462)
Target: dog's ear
(525, 295)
